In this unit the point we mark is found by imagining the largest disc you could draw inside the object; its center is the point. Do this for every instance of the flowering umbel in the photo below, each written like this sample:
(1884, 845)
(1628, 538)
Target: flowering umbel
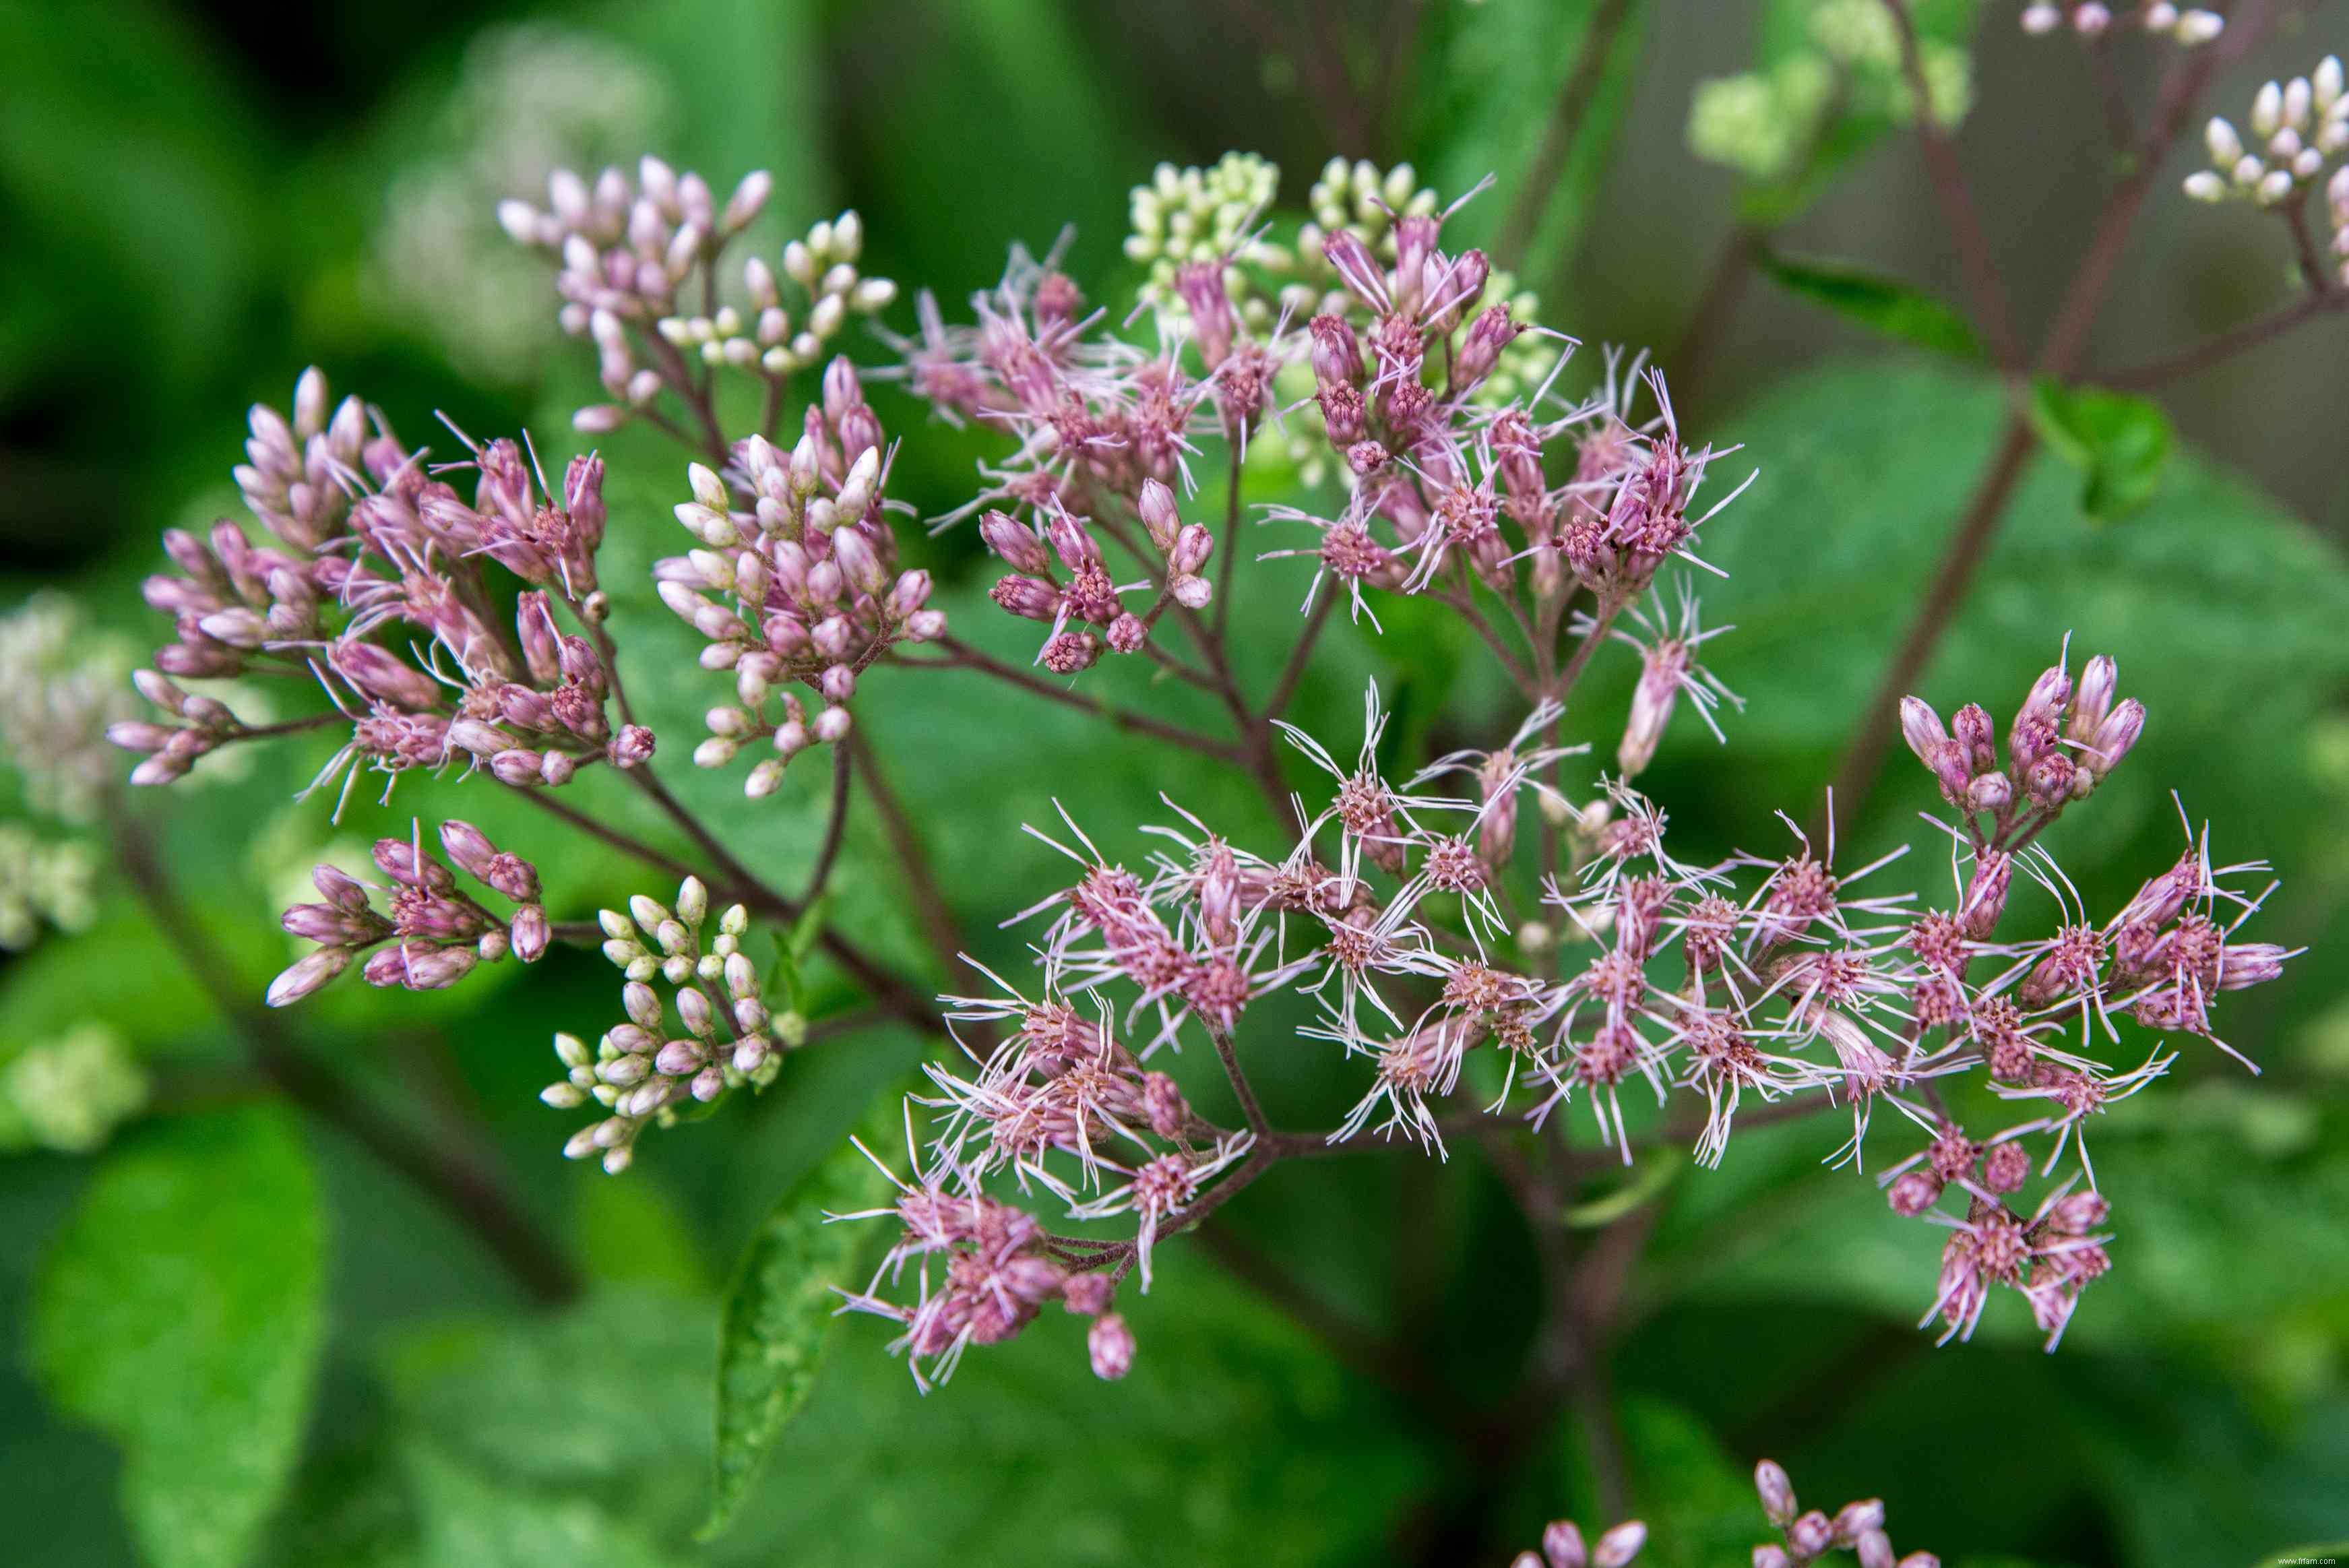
(1499, 939)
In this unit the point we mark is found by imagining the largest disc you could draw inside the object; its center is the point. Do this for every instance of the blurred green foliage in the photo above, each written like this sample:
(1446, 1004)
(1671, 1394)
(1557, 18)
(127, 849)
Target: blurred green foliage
(292, 1360)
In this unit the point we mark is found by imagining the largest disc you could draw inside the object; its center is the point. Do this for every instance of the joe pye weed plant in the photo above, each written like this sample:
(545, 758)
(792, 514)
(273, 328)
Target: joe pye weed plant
(1353, 424)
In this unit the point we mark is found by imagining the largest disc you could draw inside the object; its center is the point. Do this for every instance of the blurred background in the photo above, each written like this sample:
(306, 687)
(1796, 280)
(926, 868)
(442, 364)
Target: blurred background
(197, 201)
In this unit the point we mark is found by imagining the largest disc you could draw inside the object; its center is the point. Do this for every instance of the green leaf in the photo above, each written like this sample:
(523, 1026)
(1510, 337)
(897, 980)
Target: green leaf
(779, 1315)
(2212, 591)
(1698, 1501)
(475, 1521)
(1885, 304)
(1504, 69)
(2118, 440)
(182, 1314)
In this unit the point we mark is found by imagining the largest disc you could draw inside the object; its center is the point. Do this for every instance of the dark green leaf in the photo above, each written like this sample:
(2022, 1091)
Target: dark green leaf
(2118, 440)
(1699, 1503)
(1885, 304)
(780, 1314)
(181, 1313)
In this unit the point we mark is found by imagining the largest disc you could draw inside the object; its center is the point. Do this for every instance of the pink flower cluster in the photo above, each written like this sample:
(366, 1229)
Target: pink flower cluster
(371, 545)
(1809, 1536)
(1764, 977)
(434, 934)
(800, 543)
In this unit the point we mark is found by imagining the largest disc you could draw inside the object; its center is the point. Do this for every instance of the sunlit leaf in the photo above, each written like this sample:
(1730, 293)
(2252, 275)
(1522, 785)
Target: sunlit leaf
(780, 1314)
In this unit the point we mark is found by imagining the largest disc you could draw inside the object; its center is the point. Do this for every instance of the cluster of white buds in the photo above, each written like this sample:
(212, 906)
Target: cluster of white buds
(641, 1072)
(822, 268)
(2297, 126)
(624, 246)
(2189, 24)
(800, 542)
(70, 1093)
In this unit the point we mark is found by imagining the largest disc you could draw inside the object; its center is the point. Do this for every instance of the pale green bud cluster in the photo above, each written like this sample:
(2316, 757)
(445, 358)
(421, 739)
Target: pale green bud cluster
(765, 337)
(70, 1093)
(1361, 197)
(1758, 123)
(1198, 215)
(1764, 124)
(676, 932)
(646, 1070)
(62, 682)
(43, 883)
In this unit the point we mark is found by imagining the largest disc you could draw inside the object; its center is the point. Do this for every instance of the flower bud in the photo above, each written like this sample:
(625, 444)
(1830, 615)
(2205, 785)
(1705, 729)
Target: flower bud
(313, 972)
(1027, 596)
(531, 933)
(2114, 738)
(1619, 1546)
(1971, 724)
(1854, 1520)
(1985, 900)
(1992, 792)
(1562, 1545)
(1194, 543)
(1111, 1343)
(1778, 1493)
(1158, 515)
(1811, 1535)
(1017, 545)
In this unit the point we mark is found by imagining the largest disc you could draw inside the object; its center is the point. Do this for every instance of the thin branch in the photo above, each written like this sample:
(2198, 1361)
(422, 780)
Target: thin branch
(1957, 202)
(939, 926)
(1299, 657)
(1952, 580)
(836, 827)
(962, 655)
(1257, 1121)
(2120, 125)
(2227, 344)
(2313, 270)
(1231, 542)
